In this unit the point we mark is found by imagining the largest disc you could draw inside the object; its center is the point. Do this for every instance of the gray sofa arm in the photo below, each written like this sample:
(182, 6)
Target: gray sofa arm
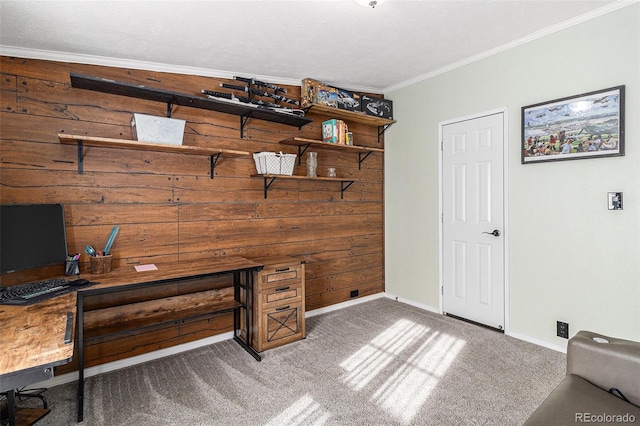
(611, 364)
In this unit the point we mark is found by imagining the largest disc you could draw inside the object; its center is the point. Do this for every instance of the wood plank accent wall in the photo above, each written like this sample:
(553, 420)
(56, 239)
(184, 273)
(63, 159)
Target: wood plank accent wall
(167, 207)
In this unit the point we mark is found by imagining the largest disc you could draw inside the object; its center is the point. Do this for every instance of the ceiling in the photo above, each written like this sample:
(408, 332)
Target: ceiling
(335, 41)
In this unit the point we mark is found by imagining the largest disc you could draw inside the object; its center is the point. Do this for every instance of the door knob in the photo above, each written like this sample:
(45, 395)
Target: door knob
(495, 233)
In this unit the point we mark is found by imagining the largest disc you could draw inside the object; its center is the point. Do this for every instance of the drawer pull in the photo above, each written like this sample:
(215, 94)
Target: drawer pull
(282, 269)
(284, 308)
(283, 288)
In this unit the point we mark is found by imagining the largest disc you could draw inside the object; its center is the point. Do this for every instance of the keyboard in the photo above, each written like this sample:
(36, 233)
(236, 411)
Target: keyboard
(38, 291)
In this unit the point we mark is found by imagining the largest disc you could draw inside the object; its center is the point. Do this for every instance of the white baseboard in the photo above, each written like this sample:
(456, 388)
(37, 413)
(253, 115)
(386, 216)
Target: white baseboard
(139, 359)
(412, 303)
(518, 336)
(128, 362)
(537, 341)
(342, 305)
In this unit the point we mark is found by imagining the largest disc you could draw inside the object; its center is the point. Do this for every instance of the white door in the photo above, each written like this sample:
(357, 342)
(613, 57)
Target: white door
(472, 219)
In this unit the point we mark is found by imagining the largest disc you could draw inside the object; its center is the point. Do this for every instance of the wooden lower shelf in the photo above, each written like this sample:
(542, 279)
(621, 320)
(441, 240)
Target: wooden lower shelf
(269, 179)
(28, 416)
(303, 145)
(160, 318)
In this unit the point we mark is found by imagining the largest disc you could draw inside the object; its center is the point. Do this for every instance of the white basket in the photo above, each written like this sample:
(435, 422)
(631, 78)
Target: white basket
(274, 163)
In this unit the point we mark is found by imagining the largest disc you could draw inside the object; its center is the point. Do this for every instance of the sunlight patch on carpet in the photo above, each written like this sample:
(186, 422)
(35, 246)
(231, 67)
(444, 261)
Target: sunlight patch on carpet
(369, 361)
(304, 411)
(407, 389)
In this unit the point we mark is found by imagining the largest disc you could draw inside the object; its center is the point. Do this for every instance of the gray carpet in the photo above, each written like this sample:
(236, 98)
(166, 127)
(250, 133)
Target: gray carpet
(376, 363)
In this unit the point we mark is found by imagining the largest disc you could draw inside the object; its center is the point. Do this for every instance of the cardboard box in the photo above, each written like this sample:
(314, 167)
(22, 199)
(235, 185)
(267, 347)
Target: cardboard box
(149, 128)
(316, 92)
(334, 131)
(378, 107)
(330, 131)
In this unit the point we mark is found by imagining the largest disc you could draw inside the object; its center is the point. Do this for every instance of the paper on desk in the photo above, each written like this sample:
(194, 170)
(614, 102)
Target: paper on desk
(148, 267)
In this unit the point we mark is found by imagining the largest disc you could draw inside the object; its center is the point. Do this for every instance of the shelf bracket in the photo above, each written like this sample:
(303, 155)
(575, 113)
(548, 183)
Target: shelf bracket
(243, 121)
(361, 157)
(170, 107)
(268, 185)
(382, 129)
(214, 160)
(80, 157)
(344, 188)
(301, 152)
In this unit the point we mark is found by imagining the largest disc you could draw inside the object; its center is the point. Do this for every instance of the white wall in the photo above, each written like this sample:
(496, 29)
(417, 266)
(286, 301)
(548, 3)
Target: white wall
(571, 259)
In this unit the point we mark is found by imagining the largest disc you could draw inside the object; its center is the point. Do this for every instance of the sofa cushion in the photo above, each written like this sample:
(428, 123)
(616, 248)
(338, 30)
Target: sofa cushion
(613, 364)
(576, 401)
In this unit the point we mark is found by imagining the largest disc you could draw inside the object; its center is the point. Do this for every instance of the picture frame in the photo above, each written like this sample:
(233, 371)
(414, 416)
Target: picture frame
(588, 125)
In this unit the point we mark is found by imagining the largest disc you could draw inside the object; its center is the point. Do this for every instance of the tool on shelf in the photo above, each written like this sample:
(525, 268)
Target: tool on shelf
(252, 95)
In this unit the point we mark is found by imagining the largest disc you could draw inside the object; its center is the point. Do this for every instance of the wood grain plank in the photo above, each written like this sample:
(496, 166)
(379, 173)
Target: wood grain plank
(167, 206)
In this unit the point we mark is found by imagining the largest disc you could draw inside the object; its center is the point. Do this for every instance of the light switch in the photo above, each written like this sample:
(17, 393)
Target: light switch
(615, 200)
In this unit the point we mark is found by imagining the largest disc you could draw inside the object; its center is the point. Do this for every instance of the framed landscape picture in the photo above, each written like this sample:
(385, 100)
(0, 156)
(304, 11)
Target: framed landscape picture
(582, 126)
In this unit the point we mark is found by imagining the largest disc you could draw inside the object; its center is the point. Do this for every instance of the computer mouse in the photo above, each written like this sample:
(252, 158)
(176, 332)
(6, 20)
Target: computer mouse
(78, 282)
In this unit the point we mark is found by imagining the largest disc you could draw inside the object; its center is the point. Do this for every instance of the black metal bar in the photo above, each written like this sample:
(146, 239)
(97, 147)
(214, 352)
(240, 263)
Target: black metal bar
(149, 93)
(237, 298)
(247, 310)
(170, 107)
(11, 405)
(344, 188)
(302, 151)
(361, 158)
(267, 185)
(80, 157)
(243, 120)
(382, 129)
(248, 287)
(214, 160)
(80, 317)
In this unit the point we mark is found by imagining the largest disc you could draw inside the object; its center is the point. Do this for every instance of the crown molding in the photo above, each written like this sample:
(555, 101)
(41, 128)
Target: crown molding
(612, 7)
(78, 58)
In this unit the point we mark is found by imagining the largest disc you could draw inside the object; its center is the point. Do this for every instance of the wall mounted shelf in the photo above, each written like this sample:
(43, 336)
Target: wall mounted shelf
(82, 141)
(304, 144)
(173, 98)
(371, 120)
(269, 179)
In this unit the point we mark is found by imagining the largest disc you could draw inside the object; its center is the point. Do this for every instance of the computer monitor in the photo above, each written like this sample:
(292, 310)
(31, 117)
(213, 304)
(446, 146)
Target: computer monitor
(31, 236)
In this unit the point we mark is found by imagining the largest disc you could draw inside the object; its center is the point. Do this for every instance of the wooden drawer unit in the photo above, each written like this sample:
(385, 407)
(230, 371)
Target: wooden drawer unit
(278, 303)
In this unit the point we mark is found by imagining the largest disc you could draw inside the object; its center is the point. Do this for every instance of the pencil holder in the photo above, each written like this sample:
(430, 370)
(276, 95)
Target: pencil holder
(100, 264)
(72, 267)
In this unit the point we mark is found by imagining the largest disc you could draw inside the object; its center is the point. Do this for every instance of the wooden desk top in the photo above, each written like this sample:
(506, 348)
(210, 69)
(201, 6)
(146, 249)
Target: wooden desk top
(34, 335)
(128, 275)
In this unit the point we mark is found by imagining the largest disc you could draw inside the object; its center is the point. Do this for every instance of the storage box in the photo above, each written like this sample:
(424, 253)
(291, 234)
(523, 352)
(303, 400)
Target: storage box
(334, 131)
(316, 92)
(274, 163)
(379, 107)
(149, 128)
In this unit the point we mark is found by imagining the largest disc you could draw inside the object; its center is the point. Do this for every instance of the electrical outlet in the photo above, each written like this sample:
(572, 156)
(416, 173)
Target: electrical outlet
(563, 329)
(354, 293)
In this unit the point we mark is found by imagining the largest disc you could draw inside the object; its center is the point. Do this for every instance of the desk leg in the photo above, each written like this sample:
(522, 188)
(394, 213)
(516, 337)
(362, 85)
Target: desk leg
(11, 405)
(80, 331)
(236, 313)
